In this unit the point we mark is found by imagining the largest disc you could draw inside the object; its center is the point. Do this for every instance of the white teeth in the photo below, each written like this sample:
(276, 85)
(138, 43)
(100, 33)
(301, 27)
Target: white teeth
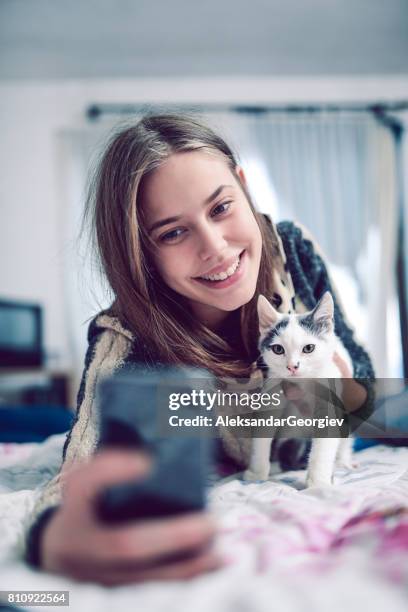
(222, 275)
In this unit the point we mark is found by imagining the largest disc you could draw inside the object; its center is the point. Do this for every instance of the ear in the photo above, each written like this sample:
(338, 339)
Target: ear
(268, 316)
(324, 311)
(241, 175)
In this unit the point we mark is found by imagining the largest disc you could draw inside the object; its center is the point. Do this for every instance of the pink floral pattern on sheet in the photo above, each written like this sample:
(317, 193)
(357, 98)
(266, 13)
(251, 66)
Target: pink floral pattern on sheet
(278, 526)
(12, 451)
(386, 533)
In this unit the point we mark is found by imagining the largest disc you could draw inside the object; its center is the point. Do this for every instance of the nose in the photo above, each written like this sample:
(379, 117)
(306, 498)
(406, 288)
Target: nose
(211, 242)
(293, 367)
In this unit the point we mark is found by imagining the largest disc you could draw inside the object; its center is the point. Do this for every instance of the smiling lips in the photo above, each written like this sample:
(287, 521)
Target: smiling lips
(222, 275)
(227, 277)
(221, 272)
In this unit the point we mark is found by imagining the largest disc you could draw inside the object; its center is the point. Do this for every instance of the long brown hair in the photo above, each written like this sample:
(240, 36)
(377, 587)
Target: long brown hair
(157, 315)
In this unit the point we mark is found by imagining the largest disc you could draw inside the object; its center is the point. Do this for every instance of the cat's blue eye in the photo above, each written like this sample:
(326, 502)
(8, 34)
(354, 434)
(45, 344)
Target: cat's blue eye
(309, 348)
(278, 349)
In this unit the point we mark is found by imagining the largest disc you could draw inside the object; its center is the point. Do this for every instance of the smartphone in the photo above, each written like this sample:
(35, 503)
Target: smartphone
(130, 406)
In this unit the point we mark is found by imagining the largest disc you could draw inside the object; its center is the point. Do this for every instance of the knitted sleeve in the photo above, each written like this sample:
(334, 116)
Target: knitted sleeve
(311, 279)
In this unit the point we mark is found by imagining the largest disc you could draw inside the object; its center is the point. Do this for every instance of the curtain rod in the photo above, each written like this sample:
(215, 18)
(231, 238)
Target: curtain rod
(380, 110)
(94, 111)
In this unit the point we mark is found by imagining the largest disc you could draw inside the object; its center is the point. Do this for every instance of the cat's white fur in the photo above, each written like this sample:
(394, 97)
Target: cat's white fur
(325, 452)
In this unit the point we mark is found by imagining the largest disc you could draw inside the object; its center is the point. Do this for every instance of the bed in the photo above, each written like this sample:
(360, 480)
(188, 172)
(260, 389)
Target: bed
(286, 548)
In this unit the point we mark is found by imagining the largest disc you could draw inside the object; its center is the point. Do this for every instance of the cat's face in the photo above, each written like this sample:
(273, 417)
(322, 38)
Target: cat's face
(296, 345)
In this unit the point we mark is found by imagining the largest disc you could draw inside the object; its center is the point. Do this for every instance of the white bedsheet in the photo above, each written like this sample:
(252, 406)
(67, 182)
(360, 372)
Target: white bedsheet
(344, 548)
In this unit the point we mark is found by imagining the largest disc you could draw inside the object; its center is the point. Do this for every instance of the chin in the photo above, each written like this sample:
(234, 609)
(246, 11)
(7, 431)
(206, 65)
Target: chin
(233, 304)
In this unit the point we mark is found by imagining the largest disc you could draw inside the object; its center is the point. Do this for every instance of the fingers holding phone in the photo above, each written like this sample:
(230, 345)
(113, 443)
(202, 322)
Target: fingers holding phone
(77, 544)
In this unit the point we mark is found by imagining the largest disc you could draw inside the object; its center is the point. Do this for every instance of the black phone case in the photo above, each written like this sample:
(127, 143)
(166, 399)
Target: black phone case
(128, 419)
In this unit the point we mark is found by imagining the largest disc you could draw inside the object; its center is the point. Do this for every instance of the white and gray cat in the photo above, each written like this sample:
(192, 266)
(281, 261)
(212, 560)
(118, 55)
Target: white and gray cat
(293, 347)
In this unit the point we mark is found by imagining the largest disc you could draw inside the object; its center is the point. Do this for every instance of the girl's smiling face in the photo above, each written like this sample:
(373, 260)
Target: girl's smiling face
(207, 241)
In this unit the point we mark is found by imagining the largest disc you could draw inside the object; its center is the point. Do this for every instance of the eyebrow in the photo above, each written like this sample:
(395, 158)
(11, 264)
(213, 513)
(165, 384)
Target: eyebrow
(168, 220)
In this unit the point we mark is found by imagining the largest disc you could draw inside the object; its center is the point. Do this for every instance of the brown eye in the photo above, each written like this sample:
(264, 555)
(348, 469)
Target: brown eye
(220, 209)
(172, 236)
(278, 349)
(309, 348)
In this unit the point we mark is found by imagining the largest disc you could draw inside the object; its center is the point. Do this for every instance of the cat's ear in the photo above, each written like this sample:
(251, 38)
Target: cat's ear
(323, 312)
(267, 315)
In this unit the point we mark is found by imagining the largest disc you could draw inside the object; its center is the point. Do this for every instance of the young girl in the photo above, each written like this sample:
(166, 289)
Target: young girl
(186, 255)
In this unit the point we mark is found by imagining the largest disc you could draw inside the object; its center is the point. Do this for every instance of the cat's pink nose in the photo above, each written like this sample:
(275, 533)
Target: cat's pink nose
(293, 367)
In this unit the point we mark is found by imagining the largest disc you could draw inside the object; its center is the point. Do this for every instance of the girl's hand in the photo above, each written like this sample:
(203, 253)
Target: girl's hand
(353, 394)
(295, 393)
(77, 544)
(342, 365)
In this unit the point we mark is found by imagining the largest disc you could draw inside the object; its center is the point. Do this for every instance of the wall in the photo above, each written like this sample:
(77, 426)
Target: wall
(32, 115)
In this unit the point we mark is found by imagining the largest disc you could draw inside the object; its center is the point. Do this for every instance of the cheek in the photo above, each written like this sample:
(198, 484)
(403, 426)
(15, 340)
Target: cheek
(245, 223)
(252, 231)
(257, 248)
(173, 267)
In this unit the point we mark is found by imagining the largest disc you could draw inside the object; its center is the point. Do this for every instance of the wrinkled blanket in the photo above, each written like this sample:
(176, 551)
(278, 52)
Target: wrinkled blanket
(286, 548)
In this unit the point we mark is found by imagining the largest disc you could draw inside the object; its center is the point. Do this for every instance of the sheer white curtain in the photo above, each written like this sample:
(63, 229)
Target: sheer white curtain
(333, 172)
